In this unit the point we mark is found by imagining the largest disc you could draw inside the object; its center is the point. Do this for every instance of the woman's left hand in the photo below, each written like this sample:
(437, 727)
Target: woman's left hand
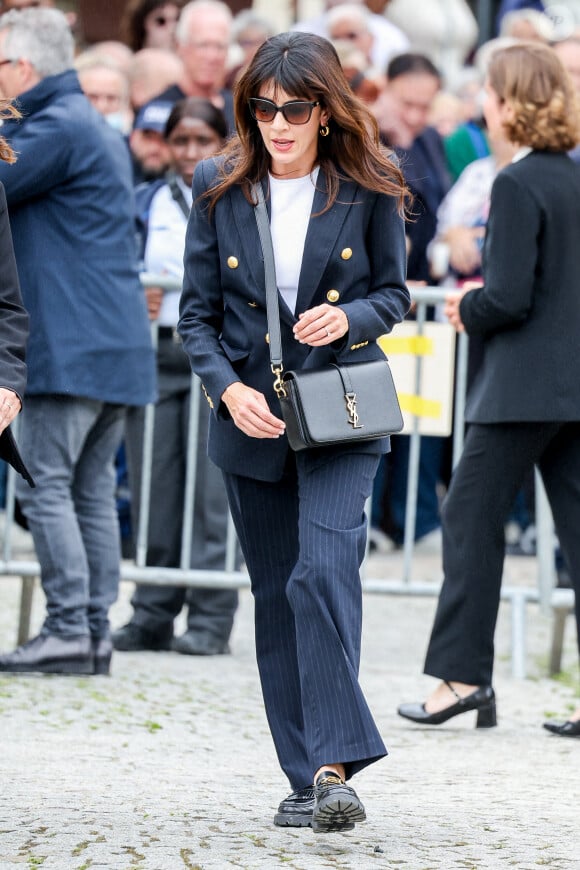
(10, 405)
(321, 325)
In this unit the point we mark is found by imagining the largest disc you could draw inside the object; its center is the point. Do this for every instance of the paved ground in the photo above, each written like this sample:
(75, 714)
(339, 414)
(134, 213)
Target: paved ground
(168, 764)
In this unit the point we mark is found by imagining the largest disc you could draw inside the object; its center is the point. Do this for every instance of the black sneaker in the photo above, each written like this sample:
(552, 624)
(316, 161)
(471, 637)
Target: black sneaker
(336, 805)
(135, 638)
(295, 811)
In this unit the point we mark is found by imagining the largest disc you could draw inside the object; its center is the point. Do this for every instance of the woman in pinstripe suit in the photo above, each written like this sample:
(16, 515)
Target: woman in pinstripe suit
(335, 201)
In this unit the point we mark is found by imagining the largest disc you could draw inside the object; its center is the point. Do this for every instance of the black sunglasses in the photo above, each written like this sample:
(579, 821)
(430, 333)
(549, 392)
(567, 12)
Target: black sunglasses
(294, 112)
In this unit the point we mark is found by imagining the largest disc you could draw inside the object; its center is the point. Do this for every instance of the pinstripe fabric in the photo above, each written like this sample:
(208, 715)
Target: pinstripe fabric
(303, 539)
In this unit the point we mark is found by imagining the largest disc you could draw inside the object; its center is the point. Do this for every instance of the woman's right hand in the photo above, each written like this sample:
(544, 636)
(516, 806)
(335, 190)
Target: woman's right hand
(250, 412)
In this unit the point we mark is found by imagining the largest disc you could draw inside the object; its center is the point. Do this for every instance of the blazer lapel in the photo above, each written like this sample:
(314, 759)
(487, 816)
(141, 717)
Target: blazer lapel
(321, 237)
(245, 221)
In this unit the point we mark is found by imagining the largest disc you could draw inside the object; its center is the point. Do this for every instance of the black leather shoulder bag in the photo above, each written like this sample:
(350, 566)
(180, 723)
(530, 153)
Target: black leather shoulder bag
(334, 404)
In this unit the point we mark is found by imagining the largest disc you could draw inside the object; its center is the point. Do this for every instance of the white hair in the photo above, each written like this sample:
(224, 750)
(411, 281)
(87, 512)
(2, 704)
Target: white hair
(348, 12)
(91, 60)
(183, 29)
(40, 35)
(542, 23)
(248, 18)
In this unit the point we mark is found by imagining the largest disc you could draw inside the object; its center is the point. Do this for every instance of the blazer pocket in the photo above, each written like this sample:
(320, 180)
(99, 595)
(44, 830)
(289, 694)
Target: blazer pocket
(236, 355)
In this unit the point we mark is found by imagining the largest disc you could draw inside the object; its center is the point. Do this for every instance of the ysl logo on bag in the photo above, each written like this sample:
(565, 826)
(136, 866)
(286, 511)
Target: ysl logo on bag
(352, 415)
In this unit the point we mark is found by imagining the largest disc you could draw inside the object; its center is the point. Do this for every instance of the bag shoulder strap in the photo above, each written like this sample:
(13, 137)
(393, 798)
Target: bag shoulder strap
(272, 306)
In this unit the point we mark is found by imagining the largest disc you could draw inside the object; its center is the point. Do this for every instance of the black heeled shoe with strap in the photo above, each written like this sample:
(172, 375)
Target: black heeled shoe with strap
(564, 729)
(482, 700)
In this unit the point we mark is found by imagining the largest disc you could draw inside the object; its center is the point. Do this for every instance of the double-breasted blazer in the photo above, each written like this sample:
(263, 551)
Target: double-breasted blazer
(354, 257)
(528, 312)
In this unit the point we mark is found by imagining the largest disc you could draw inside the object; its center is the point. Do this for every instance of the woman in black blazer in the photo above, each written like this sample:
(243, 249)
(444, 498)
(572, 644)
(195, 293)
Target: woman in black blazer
(335, 199)
(524, 405)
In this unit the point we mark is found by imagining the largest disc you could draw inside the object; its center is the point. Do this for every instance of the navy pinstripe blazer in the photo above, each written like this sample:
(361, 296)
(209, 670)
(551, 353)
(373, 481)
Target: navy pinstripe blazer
(354, 257)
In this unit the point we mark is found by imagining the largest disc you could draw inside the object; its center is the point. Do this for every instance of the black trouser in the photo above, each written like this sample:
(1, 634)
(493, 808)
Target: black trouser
(493, 465)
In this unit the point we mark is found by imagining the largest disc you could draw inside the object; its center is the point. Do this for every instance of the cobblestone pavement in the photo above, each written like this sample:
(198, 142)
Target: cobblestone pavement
(168, 764)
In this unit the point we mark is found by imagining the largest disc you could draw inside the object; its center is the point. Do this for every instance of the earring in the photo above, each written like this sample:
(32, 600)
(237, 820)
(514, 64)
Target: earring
(325, 130)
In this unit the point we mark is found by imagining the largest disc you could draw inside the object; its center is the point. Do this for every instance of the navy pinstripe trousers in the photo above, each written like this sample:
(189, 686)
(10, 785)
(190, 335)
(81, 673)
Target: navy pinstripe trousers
(303, 540)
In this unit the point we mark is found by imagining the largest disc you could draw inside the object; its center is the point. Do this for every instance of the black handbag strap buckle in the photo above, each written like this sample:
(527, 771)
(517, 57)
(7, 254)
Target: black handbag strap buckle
(279, 387)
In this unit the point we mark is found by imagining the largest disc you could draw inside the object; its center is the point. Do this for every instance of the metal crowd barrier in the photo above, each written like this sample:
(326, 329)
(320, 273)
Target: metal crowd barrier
(139, 572)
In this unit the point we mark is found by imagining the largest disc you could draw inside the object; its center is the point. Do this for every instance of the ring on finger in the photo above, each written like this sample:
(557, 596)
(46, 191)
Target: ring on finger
(327, 330)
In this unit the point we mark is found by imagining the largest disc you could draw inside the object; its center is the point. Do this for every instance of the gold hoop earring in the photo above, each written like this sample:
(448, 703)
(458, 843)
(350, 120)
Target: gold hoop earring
(325, 130)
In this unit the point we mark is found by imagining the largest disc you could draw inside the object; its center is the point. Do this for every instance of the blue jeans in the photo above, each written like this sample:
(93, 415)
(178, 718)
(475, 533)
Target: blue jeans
(70, 444)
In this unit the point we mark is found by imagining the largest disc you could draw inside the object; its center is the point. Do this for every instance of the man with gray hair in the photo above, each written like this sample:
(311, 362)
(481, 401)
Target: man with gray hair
(89, 353)
(350, 22)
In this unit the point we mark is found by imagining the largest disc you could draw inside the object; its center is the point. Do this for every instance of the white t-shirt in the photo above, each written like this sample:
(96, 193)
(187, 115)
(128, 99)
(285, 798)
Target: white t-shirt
(291, 206)
(165, 245)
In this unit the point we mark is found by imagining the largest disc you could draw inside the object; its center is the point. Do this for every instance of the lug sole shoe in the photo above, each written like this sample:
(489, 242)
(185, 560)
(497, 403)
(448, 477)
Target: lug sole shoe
(337, 806)
(295, 811)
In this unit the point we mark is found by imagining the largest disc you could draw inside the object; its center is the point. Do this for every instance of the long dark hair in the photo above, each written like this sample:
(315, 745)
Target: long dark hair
(304, 65)
(202, 110)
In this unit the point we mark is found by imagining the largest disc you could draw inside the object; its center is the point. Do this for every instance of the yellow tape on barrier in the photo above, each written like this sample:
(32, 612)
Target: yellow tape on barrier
(417, 345)
(420, 407)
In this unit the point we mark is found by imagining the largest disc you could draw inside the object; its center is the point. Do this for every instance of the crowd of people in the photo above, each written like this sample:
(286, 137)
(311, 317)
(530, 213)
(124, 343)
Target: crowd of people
(391, 157)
